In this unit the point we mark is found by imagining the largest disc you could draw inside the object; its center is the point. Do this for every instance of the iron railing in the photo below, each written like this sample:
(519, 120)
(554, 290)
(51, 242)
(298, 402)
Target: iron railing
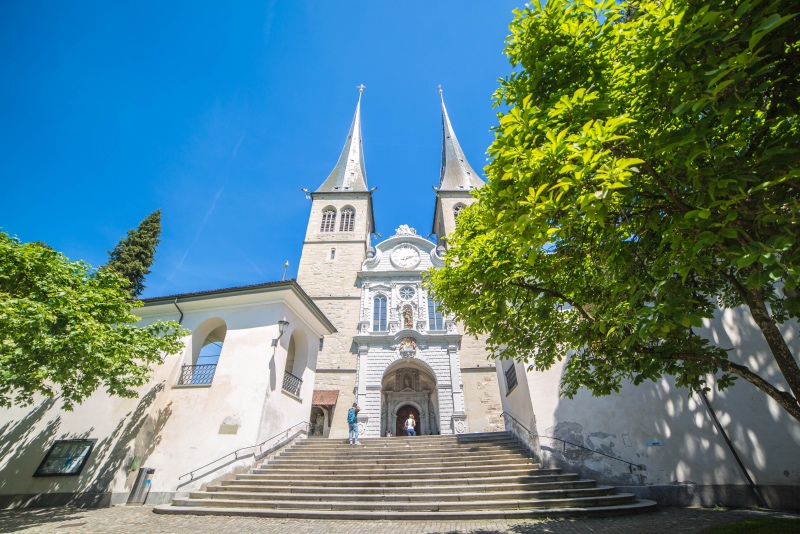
(291, 383)
(197, 375)
(631, 465)
(255, 450)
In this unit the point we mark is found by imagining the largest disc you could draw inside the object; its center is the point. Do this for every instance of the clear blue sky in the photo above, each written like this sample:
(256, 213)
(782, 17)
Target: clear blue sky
(218, 113)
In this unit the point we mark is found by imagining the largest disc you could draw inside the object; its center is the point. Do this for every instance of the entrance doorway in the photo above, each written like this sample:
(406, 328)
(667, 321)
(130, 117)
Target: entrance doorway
(402, 414)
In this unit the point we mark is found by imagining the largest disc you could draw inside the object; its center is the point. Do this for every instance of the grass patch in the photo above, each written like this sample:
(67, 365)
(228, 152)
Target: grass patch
(772, 525)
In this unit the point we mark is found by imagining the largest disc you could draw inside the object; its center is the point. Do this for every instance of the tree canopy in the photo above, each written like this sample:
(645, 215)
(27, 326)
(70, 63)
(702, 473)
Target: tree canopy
(134, 254)
(644, 175)
(67, 329)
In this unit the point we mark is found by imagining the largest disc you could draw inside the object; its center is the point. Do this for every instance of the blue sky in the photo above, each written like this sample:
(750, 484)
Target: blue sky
(218, 113)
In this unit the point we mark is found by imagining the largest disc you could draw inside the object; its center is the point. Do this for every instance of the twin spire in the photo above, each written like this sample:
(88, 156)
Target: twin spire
(350, 173)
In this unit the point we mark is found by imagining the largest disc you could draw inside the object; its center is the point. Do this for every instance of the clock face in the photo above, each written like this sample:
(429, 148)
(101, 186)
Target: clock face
(405, 257)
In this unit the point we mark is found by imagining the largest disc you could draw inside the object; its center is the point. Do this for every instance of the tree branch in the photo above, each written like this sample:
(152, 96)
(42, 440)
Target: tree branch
(542, 290)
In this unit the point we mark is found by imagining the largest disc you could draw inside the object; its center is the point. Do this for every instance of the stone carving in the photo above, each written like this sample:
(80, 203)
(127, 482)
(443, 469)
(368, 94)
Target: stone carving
(363, 328)
(408, 343)
(406, 382)
(461, 427)
(392, 328)
(405, 230)
(451, 326)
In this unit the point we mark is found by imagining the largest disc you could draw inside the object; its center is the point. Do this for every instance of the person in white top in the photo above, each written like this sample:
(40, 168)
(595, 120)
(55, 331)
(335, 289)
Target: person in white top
(410, 430)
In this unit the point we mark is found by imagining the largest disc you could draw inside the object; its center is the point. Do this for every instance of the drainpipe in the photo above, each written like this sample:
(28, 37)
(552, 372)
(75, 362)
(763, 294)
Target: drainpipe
(179, 309)
(759, 499)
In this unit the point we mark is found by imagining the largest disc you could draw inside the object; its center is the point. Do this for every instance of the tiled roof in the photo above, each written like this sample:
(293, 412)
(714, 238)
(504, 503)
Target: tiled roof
(325, 397)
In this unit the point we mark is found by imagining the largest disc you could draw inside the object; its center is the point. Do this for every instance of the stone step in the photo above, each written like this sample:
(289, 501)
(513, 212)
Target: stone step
(352, 463)
(472, 476)
(400, 463)
(239, 494)
(355, 450)
(430, 505)
(400, 445)
(641, 506)
(383, 482)
(244, 486)
(419, 474)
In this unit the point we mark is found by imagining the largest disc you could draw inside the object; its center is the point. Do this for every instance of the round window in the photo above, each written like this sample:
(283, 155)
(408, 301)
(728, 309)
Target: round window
(406, 293)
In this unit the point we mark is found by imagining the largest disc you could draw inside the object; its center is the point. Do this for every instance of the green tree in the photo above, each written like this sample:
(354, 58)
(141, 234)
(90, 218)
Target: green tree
(66, 329)
(644, 175)
(134, 254)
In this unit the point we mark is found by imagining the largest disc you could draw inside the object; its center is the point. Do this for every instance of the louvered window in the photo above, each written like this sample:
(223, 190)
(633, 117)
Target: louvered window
(347, 220)
(328, 220)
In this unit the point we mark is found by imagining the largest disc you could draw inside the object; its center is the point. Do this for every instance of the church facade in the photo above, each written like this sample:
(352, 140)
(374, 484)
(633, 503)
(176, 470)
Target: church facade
(394, 353)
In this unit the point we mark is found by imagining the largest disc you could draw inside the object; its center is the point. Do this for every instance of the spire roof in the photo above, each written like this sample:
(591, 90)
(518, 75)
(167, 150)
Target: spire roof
(350, 173)
(457, 174)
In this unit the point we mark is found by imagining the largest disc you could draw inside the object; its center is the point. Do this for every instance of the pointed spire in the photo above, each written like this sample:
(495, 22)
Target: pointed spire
(350, 173)
(457, 174)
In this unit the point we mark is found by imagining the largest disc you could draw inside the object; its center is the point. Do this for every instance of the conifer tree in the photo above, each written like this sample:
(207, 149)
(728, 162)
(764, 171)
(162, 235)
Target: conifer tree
(134, 254)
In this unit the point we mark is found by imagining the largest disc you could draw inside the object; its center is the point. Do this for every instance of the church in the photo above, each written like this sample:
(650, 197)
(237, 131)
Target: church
(269, 364)
(394, 353)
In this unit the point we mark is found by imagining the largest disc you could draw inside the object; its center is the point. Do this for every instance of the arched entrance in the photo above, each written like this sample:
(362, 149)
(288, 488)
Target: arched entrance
(402, 415)
(409, 386)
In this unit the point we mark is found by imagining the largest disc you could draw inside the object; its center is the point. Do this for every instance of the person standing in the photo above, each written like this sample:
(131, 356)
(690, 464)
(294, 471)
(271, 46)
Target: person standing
(352, 422)
(410, 430)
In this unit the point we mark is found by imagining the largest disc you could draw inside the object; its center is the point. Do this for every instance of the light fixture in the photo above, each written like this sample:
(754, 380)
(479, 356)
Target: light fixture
(283, 324)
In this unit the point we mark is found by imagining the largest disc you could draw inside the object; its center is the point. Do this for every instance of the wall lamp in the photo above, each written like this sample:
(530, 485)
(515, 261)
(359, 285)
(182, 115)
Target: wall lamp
(283, 324)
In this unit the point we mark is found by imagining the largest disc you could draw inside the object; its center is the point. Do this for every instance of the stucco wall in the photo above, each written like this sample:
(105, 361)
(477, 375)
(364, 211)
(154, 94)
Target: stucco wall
(174, 429)
(692, 464)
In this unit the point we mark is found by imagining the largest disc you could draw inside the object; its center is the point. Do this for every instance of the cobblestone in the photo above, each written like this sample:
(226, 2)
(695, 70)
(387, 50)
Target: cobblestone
(139, 520)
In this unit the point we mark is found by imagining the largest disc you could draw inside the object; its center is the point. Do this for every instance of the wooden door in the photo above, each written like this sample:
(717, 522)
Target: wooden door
(402, 415)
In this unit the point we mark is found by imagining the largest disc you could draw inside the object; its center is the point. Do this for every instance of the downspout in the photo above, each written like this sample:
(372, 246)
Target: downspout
(179, 309)
(761, 502)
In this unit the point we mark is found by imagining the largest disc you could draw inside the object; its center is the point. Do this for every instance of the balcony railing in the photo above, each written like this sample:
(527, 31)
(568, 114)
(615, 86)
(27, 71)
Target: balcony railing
(197, 375)
(291, 383)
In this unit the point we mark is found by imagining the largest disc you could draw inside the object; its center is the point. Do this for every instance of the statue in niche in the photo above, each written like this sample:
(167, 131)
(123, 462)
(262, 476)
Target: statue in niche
(408, 317)
(406, 382)
(320, 424)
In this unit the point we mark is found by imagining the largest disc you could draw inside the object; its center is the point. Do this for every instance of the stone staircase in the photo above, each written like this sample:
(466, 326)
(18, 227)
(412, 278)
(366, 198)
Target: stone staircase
(467, 476)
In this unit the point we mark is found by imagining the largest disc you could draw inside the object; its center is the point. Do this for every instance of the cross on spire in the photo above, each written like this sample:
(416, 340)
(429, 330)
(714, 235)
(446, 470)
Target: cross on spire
(440, 88)
(361, 88)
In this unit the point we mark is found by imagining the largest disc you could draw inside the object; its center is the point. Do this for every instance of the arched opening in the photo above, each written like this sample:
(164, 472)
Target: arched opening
(409, 386)
(347, 221)
(296, 362)
(457, 210)
(328, 223)
(379, 313)
(208, 340)
(404, 413)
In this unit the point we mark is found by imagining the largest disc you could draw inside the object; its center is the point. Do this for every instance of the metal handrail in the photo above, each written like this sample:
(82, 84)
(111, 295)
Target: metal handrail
(631, 465)
(237, 451)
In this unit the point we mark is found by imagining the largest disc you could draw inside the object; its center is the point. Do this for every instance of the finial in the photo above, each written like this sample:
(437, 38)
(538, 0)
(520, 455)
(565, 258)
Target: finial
(361, 88)
(440, 88)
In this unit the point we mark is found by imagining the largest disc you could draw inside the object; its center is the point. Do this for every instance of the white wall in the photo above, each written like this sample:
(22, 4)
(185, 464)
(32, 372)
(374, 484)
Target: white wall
(692, 455)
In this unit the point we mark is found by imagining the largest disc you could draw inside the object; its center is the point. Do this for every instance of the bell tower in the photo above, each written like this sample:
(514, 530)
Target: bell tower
(456, 182)
(335, 245)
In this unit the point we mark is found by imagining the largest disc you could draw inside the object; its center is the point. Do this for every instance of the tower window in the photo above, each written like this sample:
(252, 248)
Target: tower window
(328, 220)
(333, 254)
(435, 320)
(457, 209)
(379, 314)
(347, 220)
